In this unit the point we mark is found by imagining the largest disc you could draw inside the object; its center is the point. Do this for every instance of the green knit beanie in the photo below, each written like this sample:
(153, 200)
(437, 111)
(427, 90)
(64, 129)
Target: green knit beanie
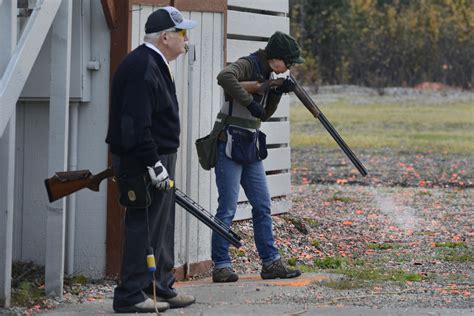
(283, 46)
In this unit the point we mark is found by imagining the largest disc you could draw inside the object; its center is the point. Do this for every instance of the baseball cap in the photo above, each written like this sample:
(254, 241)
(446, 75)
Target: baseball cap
(283, 46)
(166, 18)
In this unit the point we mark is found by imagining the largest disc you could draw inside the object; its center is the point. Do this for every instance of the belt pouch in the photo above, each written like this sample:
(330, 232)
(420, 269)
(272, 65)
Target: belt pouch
(241, 145)
(134, 191)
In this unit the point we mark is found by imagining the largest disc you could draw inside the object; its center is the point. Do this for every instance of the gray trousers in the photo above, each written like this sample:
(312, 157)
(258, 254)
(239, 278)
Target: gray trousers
(135, 279)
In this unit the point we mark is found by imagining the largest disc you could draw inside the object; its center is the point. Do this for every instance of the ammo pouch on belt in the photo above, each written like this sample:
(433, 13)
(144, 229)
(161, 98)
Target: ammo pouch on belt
(207, 150)
(245, 146)
(207, 146)
(134, 191)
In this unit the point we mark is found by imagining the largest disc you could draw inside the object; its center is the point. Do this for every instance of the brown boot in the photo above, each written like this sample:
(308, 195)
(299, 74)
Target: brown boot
(222, 275)
(279, 270)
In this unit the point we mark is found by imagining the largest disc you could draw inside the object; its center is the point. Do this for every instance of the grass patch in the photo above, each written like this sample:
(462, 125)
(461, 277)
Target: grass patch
(297, 222)
(26, 294)
(344, 284)
(423, 193)
(459, 257)
(292, 261)
(77, 279)
(358, 273)
(457, 254)
(414, 127)
(315, 243)
(237, 252)
(382, 246)
(379, 275)
(311, 222)
(328, 263)
(451, 244)
(336, 198)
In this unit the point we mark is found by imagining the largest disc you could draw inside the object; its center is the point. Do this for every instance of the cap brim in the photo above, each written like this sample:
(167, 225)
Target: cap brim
(186, 24)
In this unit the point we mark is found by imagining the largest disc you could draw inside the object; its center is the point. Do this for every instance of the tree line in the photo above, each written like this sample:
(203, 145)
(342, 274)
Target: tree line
(380, 43)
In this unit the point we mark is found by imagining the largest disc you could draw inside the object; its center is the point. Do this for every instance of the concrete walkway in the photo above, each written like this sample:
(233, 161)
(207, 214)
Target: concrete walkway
(239, 299)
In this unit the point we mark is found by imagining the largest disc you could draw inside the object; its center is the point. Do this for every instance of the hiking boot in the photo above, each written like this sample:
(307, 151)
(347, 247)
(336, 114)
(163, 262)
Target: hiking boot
(179, 301)
(224, 275)
(278, 270)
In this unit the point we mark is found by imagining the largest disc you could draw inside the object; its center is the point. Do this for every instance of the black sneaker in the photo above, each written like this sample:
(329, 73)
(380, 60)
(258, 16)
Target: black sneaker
(224, 275)
(278, 270)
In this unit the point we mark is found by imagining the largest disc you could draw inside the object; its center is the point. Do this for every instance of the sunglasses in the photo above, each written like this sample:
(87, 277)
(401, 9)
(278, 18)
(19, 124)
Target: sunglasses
(181, 32)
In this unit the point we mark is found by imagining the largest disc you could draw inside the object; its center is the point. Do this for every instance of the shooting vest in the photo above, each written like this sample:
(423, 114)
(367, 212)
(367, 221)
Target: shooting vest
(234, 113)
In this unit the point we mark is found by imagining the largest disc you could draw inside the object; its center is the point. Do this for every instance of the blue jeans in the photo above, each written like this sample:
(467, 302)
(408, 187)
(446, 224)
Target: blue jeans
(229, 176)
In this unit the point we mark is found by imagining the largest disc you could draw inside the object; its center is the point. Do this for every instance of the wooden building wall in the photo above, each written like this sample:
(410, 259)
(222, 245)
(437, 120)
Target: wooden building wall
(243, 28)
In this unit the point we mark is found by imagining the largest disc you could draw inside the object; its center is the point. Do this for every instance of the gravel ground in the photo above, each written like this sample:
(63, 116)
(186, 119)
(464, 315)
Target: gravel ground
(413, 215)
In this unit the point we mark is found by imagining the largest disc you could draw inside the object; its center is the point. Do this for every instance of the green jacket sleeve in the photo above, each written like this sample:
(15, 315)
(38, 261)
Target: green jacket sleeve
(229, 78)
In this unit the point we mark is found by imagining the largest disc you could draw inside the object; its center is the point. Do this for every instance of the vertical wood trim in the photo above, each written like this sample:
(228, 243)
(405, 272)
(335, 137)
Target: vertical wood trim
(201, 6)
(110, 13)
(157, 3)
(119, 48)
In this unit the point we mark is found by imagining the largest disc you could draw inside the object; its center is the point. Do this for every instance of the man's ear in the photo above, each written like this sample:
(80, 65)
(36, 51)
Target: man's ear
(164, 37)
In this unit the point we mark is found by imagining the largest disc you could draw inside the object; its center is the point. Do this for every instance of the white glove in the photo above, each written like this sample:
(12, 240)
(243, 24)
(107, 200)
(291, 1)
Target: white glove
(159, 176)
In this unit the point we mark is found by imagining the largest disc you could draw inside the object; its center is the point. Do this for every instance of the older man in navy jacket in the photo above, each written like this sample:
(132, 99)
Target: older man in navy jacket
(143, 135)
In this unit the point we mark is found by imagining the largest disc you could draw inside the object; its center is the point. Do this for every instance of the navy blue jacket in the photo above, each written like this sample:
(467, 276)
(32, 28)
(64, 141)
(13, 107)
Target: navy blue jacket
(144, 113)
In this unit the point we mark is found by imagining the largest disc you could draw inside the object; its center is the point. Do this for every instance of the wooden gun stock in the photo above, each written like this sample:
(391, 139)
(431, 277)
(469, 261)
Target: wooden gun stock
(68, 182)
(260, 87)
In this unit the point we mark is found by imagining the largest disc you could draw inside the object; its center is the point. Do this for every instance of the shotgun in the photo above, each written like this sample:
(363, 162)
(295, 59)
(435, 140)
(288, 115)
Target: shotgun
(68, 182)
(253, 87)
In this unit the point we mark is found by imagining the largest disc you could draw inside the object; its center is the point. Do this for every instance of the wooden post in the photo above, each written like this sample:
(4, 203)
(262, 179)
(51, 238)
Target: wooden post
(120, 38)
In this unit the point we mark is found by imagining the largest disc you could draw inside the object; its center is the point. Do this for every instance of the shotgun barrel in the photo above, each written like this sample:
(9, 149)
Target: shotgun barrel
(313, 108)
(67, 182)
(207, 218)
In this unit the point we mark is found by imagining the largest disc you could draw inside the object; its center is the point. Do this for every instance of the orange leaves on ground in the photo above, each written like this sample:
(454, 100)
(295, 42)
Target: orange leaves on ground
(372, 216)
(347, 223)
(341, 181)
(456, 238)
(359, 212)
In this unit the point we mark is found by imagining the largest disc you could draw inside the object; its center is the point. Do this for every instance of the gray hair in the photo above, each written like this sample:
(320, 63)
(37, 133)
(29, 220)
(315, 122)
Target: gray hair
(153, 37)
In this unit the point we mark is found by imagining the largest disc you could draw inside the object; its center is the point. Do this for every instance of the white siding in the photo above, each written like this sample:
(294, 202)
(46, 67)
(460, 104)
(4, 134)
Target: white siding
(280, 6)
(32, 166)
